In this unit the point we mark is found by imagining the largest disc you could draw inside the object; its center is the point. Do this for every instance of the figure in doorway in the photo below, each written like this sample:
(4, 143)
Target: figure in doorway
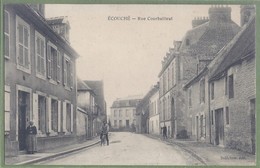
(164, 132)
(31, 132)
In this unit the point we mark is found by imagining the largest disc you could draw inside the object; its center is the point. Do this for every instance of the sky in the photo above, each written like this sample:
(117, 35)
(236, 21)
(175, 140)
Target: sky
(126, 54)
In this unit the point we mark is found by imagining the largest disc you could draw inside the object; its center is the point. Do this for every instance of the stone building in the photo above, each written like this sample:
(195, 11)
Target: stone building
(233, 94)
(186, 60)
(122, 113)
(227, 117)
(40, 80)
(154, 125)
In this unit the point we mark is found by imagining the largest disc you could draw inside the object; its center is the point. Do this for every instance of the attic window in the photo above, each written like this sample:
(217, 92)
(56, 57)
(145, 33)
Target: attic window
(187, 42)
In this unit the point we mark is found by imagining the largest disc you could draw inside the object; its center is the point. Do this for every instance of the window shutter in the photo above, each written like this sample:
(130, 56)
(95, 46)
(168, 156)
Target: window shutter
(71, 75)
(49, 61)
(43, 57)
(71, 118)
(49, 115)
(35, 110)
(58, 67)
(64, 72)
(59, 116)
(204, 125)
(64, 117)
(26, 48)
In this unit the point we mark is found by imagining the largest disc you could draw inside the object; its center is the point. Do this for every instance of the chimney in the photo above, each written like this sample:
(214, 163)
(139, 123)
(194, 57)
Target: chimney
(246, 12)
(61, 26)
(39, 8)
(219, 13)
(199, 21)
(177, 45)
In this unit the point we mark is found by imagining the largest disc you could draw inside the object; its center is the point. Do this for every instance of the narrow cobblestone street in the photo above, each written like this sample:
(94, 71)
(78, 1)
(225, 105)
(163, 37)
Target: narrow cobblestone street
(128, 149)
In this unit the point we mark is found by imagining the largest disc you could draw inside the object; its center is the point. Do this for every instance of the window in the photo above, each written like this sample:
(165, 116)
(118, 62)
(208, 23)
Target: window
(212, 117)
(7, 35)
(231, 86)
(164, 82)
(42, 114)
(134, 111)
(23, 45)
(227, 115)
(68, 117)
(67, 72)
(212, 90)
(126, 113)
(115, 123)
(54, 115)
(120, 123)
(127, 123)
(190, 100)
(174, 72)
(40, 55)
(202, 91)
(120, 113)
(7, 108)
(114, 113)
(168, 78)
(226, 85)
(53, 62)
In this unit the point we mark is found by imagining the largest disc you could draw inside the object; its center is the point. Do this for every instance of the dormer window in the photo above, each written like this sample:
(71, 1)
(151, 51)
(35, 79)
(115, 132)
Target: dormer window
(187, 42)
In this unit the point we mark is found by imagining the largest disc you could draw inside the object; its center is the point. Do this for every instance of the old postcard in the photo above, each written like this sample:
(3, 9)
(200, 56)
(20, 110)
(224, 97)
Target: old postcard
(129, 84)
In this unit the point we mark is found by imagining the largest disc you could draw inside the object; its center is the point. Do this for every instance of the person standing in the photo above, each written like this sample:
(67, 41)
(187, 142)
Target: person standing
(104, 131)
(31, 132)
(164, 132)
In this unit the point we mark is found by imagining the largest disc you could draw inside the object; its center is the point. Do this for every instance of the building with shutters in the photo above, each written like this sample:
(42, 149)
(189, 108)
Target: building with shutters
(40, 80)
(123, 113)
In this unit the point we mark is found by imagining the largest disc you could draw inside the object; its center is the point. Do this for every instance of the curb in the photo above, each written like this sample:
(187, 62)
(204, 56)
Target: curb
(56, 154)
(202, 160)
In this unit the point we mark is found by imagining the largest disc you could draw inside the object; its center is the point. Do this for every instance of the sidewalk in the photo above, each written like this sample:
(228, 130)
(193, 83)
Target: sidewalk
(209, 154)
(42, 155)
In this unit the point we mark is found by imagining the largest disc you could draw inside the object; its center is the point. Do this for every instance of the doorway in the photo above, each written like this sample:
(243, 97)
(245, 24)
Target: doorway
(197, 127)
(219, 127)
(23, 117)
(253, 126)
(173, 118)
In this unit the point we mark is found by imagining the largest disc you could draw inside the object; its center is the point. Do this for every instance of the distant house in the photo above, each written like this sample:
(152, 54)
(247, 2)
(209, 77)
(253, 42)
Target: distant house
(122, 114)
(143, 111)
(40, 80)
(188, 57)
(86, 110)
(100, 111)
(154, 121)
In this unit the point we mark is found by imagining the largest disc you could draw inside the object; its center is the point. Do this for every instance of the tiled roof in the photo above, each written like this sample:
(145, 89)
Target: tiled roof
(125, 103)
(52, 21)
(150, 93)
(97, 87)
(243, 45)
(82, 85)
(207, 39)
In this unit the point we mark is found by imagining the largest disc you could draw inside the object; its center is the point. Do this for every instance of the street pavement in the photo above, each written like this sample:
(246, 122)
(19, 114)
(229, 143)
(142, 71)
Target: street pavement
(128, 149)
(136, 149)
